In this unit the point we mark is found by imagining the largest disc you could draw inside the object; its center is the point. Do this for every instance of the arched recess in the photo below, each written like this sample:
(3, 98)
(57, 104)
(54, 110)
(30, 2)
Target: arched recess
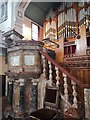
(19, 8)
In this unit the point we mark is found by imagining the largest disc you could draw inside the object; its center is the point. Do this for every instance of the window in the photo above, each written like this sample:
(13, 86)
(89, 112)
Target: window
(3, 12)
(34, 32)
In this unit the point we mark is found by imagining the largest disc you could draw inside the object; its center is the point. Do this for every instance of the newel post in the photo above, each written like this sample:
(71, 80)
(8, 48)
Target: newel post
(87, 102)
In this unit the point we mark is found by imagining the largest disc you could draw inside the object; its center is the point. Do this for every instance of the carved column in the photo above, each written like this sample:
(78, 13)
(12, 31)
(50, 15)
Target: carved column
(35, 93)
(10, 92)
(21, 97)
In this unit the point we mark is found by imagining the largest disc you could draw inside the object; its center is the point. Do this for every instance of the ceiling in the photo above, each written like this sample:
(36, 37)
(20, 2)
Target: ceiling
(36, 11)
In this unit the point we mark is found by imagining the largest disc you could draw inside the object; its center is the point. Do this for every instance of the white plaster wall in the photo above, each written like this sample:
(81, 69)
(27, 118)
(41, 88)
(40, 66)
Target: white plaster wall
(26, 30)
(11, 12)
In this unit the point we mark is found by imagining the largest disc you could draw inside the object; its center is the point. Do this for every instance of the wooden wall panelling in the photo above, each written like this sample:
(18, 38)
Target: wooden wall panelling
(86, 76)
(82, 74)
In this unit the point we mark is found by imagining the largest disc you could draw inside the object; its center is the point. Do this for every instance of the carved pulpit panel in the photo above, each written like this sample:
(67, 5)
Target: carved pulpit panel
(29, 59)
(15, 60)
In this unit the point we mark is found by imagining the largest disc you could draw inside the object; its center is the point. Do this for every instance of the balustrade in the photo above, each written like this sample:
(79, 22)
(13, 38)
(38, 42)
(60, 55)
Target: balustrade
(71, 86)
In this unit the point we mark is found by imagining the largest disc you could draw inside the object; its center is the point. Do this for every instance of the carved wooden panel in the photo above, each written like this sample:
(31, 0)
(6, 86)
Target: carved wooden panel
(15, 60)
(29, 59)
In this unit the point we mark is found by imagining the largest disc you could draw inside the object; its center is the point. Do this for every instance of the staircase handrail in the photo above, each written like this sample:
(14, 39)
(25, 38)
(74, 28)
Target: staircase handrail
(54, 62)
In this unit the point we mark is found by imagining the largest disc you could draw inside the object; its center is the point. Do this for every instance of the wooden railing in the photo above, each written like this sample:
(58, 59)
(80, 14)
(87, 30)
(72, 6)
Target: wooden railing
(70, 83)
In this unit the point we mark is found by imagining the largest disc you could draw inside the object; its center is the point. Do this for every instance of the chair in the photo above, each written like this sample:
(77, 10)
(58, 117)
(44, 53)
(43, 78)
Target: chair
(51, 105)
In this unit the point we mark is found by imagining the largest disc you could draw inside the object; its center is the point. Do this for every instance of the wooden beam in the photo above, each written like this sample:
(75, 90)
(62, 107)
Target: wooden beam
(76, 8)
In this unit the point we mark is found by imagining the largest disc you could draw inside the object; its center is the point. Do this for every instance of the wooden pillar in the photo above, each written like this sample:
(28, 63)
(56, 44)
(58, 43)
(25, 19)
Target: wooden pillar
(57, 26)
(44, 30)
(76, 8)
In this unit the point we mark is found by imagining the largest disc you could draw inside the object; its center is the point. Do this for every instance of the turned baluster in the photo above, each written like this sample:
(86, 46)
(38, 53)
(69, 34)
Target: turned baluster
(57, 76)
(74, 94)
(65, 91)
(44, 65)
(50, 72)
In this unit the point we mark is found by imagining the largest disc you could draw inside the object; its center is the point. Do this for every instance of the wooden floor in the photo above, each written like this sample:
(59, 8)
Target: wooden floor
(3, 105)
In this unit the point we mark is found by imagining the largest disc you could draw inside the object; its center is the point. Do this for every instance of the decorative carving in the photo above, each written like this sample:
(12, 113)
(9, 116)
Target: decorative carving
(77, 58)
(78, 62)
(71, 113)
(50, 72)
(44, 65)
(74, 94)
(24, 68)
(88, 51)
(57, 76)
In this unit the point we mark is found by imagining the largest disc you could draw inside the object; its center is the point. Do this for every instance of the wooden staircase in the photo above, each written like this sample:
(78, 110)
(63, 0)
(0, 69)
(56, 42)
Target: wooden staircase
(73, 103)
